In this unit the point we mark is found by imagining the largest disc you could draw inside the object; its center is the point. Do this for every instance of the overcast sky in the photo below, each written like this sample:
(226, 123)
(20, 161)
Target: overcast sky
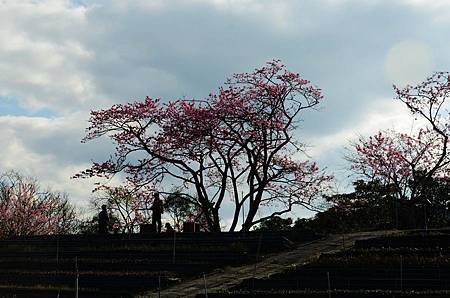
(61, 59)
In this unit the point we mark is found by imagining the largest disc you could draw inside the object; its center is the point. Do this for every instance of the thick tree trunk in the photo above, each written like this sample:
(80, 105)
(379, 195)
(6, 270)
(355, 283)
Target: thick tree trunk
(237, 211)
(211, 215)
(216, 220)
(208, 216)
(249, 219)
(254, 205)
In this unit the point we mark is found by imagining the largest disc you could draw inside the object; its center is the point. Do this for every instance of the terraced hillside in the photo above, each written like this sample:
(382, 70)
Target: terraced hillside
(123, 265)
(412, 265)
(229, 277)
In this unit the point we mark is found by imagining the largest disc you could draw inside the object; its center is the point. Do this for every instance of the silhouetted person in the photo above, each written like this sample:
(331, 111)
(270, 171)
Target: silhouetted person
(103, 220)
(157, 210)
(169, 228)
(448, 210)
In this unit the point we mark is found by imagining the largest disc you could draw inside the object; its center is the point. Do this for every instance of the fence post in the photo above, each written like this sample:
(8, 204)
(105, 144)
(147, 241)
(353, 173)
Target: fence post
(174, 245)
(243, 211)
(57, 263)
(256, 261)
(401, 273)
(329, 284)
(425, 217)
(159, 284)
(57, 249)
(206, 288)
(76, 280)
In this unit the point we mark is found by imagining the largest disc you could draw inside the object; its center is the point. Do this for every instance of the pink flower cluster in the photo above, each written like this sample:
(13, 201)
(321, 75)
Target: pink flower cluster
(241, 132)
(409, 160)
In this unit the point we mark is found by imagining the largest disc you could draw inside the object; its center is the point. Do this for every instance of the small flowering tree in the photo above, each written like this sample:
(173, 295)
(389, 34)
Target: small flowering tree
(26, 209)
(128, 207)
(411, 162)
(406, 161)
(237, 144)
(179, 208)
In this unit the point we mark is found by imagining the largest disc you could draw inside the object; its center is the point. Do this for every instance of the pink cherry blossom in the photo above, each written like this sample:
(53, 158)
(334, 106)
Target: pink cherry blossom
(235, 144)
(411, 161)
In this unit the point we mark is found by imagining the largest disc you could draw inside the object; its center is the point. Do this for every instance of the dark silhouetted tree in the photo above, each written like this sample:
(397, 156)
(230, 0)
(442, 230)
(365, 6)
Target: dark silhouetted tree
(237, 144)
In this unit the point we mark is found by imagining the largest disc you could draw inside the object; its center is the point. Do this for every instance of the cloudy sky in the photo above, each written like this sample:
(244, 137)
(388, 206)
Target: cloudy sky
(60, 59)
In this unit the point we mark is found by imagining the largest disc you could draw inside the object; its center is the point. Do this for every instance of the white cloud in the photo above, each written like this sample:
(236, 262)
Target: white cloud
(382, 114)
(275, 14)
(71, 58)
(50, 150)
(42, 55)
(408, 62)
(437, 10)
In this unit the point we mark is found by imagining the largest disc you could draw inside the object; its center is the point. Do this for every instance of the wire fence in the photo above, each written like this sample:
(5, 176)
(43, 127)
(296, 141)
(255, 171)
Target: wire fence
(319, 279)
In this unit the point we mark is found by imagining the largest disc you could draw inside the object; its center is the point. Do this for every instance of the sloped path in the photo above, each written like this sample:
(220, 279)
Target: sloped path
(228, 277)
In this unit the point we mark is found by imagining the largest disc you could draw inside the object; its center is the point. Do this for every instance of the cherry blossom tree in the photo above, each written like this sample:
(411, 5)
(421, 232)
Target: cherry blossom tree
(26, 209)
(413, 161)
(235, 144)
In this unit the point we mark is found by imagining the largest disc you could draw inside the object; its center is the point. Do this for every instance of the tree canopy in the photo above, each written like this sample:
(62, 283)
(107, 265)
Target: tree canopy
(27, 209)
(237, 144)
(411, 161)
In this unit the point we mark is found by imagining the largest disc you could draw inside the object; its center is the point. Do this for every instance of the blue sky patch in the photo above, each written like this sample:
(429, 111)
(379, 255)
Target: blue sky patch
(10, 106)
(78, 2)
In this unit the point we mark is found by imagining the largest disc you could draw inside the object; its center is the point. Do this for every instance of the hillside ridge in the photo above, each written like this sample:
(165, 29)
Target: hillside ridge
(223, 279)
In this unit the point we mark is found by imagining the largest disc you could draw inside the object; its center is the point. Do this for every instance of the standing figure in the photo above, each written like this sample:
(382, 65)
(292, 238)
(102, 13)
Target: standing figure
(169, 228)
(157, 210)
(103, 220)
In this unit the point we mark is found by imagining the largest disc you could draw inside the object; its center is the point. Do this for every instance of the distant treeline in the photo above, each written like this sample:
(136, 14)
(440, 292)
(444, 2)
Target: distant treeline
(374, 206)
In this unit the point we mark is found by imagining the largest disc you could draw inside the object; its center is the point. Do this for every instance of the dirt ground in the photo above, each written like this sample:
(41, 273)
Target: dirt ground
(228, 277)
